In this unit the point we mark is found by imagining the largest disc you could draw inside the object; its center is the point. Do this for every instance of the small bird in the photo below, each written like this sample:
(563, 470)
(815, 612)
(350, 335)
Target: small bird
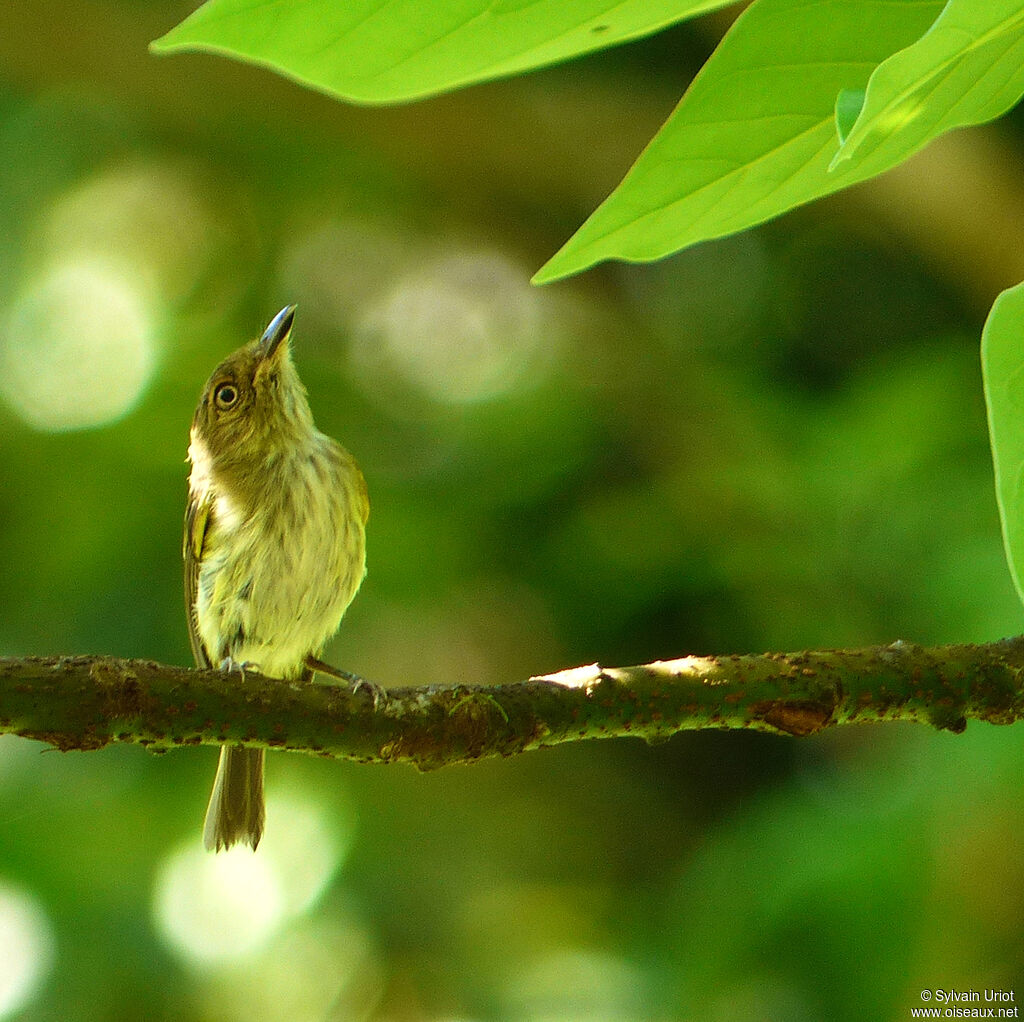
(274, 546)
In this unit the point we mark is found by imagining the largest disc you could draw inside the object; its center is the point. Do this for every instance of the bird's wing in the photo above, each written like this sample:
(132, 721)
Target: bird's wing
(197, 519)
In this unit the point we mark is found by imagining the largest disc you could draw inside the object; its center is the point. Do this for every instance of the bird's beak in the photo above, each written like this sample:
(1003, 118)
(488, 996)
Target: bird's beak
(276, 333)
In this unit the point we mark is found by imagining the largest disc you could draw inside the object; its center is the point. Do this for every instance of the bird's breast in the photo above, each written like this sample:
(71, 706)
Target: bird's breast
(279, 570)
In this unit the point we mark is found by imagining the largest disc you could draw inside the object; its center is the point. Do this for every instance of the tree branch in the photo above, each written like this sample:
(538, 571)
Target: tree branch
(87, 702)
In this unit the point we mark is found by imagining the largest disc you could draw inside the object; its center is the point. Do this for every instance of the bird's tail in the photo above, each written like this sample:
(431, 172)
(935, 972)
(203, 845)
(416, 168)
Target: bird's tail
(236, 810)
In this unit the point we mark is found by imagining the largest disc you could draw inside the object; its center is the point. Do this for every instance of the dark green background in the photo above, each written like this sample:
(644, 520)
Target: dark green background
(776, 441)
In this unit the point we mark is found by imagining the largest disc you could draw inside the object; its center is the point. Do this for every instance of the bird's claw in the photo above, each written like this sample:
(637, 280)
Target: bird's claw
(377, 693)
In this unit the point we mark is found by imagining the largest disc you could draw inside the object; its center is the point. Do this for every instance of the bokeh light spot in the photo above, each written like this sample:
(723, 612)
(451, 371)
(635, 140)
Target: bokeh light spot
(338, 269)
(313, 971)
(27, 949)
(304, 848)
(149, 220)
(585, 985)
(460, 329)
(223, 908)
(76, 349)
(214, 909)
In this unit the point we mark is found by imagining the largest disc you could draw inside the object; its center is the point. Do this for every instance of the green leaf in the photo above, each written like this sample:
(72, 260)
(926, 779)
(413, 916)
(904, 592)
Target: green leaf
(381, 51)
(755, 132)
(849, 104)
(967, 69)
(1002, 363)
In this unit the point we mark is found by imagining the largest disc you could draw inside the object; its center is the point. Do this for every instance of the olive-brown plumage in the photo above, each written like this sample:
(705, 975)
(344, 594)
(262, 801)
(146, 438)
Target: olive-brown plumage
(274, 545)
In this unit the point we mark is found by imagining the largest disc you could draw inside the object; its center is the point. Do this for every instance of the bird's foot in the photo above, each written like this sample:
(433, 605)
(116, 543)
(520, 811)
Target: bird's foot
(377, 693)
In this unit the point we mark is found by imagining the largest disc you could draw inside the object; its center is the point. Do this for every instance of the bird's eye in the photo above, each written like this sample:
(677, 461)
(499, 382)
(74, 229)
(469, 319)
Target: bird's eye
(226, 396)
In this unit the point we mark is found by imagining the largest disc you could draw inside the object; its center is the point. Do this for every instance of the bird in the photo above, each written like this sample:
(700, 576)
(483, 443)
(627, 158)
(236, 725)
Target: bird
(274, 547)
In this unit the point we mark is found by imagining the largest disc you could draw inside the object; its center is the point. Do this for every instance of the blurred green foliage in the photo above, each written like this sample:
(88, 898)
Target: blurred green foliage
(773, 441)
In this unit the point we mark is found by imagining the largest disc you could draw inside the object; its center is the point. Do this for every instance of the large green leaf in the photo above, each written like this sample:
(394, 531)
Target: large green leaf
(1002, 362)
(379, 51)
(756, 131)
(969, 68)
